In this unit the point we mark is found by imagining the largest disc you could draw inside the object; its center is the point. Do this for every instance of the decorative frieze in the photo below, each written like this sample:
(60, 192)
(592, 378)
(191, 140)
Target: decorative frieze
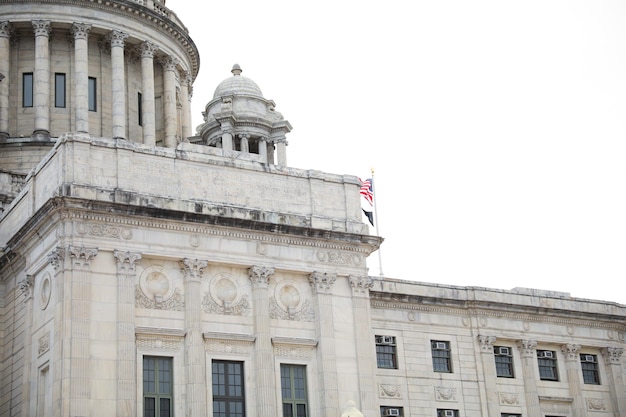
(339, 258)
(294, 348)
(104, 230)
(230, 343)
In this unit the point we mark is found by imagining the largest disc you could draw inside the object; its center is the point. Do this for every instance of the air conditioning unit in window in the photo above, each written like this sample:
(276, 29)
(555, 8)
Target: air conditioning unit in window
(588, 358)
(448, 413)
(504, 351)
(439, 345)
(392, 412)
(389, 340)
(545, 354)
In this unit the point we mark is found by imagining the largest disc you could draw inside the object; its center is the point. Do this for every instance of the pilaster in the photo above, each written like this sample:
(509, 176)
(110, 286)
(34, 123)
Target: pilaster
(613, 359)
(528, 354)
(5, 61)
(26, 286)
(489, 374)
(572, 367)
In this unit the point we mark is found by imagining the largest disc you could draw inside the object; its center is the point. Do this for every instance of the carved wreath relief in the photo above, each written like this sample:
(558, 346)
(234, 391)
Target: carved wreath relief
(288, 303)
(156, 290)
(225, 297)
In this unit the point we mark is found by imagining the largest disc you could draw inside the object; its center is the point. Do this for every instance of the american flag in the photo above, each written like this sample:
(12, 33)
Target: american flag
(366, 190)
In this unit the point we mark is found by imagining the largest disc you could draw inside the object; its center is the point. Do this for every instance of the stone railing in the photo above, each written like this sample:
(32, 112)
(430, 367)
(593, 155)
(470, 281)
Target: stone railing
(158, 6)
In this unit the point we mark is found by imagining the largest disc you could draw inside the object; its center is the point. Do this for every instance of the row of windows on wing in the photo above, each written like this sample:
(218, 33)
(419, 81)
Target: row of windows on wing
(399, 412)
(386, 357)
(227, 385)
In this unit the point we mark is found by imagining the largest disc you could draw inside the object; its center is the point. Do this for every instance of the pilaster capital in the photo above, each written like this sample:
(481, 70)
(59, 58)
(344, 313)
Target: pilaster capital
(613, 355)
(244, 136)
(260, 275)
(80, 31)
(322, 282)
(192, 269)
(81, 256)
(147, 49)
(126, 261)
(26, 286)
(570, 350)
(486, 343)
(56, 256)
(42, 27)
(527, 347)
(117, 38)
(361, 284)
(168, 63)
(6, 30)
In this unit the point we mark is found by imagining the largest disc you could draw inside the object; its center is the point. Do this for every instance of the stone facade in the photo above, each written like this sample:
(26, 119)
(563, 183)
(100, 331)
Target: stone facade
(132, 251)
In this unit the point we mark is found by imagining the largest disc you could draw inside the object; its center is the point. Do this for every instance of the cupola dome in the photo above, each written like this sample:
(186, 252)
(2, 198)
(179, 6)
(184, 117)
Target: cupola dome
(237, 85)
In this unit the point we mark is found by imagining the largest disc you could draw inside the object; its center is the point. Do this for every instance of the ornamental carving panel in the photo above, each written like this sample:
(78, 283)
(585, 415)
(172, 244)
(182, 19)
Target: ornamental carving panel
(389, 391)
(595, 404)
(289, 304)
(225, 297)
(156, 290)
(508, 398)
(104, 230)
(43, 344)
(228, 346)
(159, 342)
(339, 258)
(445, 394)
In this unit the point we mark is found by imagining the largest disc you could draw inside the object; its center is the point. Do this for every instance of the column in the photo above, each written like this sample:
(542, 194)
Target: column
(5, 51)
(281, 152)
(263, 149)
(489, 374)
(264, 355)
(528, 356)
(572, 367)
(126, 349)
(118, 84)
(41, 79)
(58, 371)
(613, 360)
(81, 76)
(185, 98)
(78, 302)
(244, 143)
(195, 357)
(363, 340)
(148, 50)
(26, 286)
(169, 99)
(322, 283)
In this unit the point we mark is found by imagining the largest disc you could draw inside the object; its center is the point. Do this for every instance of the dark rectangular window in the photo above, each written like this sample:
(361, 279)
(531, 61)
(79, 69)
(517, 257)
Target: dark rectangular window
(139, 110)
(157, 387)
(546, 360)
(441, 356)
(228, 392)
(391, 411)
(589, 364)
(59, 90)
(27, 89)
(386, 354)
(93, 94)
(447, 413)
(504, 361)
(510, 415)
(293, 389)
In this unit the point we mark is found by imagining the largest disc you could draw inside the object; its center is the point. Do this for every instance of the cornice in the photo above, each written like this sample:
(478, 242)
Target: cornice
(135, 10)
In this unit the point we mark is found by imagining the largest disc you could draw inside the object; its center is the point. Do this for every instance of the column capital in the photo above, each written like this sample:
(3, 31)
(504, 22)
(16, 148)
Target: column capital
(570, 350)
(147, 49)
(361, 284)
(486, 343)
(82, 256)
(260, 275)
(192, 269)
(6, 29)
(42, 27)
(321, 282)
(26, 286)
(56, 256)
(126, 261)
(613, 355)
(527, 347)
(168, 63)
(117, 38)
(80, 30)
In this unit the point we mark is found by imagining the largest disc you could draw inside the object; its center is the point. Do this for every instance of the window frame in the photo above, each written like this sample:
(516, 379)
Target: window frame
(441, 412)
(442, 363)
(386, 352)
(590, 370)
(60, 94)
(28, 93)
(384, 408)
(547, 364)
(293, 401)
(157, 372)
(92, 95)
(232, 381)
(503, 362)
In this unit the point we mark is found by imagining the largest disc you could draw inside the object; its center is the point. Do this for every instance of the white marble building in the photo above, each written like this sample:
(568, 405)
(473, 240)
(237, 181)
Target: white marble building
(150, 271)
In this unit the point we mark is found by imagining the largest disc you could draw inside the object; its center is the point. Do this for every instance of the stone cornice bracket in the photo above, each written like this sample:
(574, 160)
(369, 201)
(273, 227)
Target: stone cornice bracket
(126, 261)
(260, 276)
(6, 30)
(192, 269)
(527, 347)
(81, 257)
(322, 282)
(361, 285)
(613, 355)
(55, 257)
(117, 38)
(486, 343)
(570, 351)
(147, 49)
(168, 63)
(42, 27)
(80, 30)
(26, 286)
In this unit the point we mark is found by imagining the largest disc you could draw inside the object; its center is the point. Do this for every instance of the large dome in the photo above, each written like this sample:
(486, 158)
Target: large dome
(237, 84)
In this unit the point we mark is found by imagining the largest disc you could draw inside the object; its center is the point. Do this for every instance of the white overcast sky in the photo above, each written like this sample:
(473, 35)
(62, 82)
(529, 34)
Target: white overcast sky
(497, 129)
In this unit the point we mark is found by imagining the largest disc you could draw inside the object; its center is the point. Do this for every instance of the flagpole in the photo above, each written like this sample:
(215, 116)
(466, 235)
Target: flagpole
(380, 256)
